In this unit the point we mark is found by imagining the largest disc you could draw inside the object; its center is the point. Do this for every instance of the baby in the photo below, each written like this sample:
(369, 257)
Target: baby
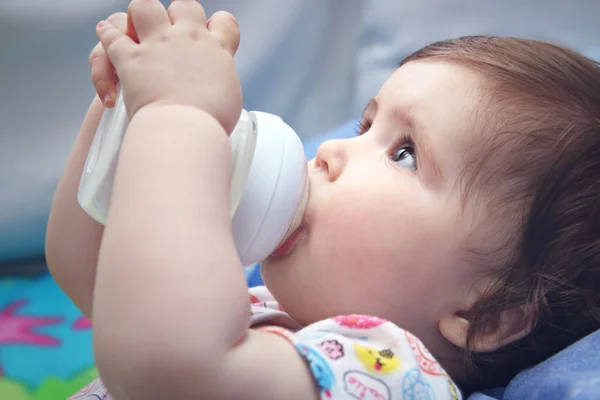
(466, 214)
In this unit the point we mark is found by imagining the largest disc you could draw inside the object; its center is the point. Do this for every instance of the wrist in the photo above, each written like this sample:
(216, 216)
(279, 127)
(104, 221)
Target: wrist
(184, 130)
(176, 113)
(173, 155)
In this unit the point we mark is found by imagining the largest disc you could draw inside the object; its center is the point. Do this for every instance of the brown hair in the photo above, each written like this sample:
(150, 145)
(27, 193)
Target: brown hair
(548, 101)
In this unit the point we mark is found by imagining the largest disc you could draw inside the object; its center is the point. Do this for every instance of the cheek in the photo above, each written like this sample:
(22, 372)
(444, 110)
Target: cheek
(388, 228)
(368, 226)
(349, 230)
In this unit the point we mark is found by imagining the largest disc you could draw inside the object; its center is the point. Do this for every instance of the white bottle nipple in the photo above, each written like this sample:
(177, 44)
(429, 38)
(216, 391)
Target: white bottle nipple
(275, 193)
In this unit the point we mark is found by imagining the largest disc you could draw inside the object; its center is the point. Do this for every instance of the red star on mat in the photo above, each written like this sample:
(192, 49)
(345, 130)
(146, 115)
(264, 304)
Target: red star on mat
(18, 329)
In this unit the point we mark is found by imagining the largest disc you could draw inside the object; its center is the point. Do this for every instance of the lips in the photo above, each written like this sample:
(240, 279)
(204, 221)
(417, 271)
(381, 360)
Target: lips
(290, 243)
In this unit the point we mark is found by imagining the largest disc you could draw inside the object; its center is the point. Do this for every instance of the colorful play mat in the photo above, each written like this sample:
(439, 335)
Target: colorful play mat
(45, 342)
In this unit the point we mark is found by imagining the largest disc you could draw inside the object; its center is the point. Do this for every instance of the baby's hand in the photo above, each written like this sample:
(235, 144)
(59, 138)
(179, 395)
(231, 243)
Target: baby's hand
(179, 59)
(102, 71)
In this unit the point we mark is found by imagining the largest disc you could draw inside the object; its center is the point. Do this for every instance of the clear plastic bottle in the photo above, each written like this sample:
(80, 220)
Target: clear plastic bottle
(269, 185)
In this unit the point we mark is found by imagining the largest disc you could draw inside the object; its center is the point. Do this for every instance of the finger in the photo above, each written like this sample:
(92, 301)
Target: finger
(148, 17)
(119, 21)
(115, 43)
(131, 32)
(103, 76)
(225, 27)
(187, 11)
(102, 71)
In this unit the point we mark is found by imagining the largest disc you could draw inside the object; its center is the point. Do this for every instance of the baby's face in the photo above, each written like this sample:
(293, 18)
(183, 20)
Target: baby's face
(386, 231)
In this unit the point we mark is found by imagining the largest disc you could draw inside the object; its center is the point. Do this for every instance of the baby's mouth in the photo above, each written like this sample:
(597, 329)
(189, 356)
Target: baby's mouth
(290, 243)
(300, 220)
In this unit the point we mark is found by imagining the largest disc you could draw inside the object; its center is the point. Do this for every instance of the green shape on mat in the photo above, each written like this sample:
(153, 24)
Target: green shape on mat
(58, 389)
(51, 389)
(13, 390)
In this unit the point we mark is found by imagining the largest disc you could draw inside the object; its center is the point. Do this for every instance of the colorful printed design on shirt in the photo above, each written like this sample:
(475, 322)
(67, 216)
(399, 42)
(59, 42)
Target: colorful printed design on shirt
(358, 321)
(362, 386)
(320, 368)
(94, 390)
(345, 363)
(426, 361)
(254, 299)
(377, 361)
(284, 333)
(312, 335)
(333, 349)
(260, 297)
(454, 392)
(414, 387)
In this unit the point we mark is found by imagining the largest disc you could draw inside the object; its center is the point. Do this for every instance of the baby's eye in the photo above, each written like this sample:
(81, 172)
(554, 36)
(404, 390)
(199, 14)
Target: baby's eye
(405, 157)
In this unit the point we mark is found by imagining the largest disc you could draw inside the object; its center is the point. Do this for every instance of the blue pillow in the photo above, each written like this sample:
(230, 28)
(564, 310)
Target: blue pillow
(574, 373)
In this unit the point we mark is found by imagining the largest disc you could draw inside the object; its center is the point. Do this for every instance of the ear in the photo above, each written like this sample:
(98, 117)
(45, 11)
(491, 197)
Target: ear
(507, 327)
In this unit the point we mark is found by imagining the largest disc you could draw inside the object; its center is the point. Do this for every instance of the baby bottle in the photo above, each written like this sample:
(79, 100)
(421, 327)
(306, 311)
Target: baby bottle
(269, 185)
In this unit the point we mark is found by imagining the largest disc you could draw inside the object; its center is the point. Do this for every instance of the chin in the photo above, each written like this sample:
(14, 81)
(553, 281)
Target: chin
(280, 275)
(267, 268)
(273, 271)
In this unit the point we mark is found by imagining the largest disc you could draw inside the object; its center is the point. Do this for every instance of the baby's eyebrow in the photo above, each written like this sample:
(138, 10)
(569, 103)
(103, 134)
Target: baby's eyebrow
(421, 140)
(371, 107)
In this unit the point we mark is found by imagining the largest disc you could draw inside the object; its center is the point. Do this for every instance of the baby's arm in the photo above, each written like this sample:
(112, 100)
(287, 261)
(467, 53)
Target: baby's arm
(171, 308)
(73, 237)
(171, 311)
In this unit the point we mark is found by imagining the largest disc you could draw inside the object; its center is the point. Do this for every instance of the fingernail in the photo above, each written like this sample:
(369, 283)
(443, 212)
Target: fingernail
(102, 23)
(107, 98)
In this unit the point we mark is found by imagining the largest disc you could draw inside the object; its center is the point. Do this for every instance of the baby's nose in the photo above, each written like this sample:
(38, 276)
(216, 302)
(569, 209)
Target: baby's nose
(331, 158)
